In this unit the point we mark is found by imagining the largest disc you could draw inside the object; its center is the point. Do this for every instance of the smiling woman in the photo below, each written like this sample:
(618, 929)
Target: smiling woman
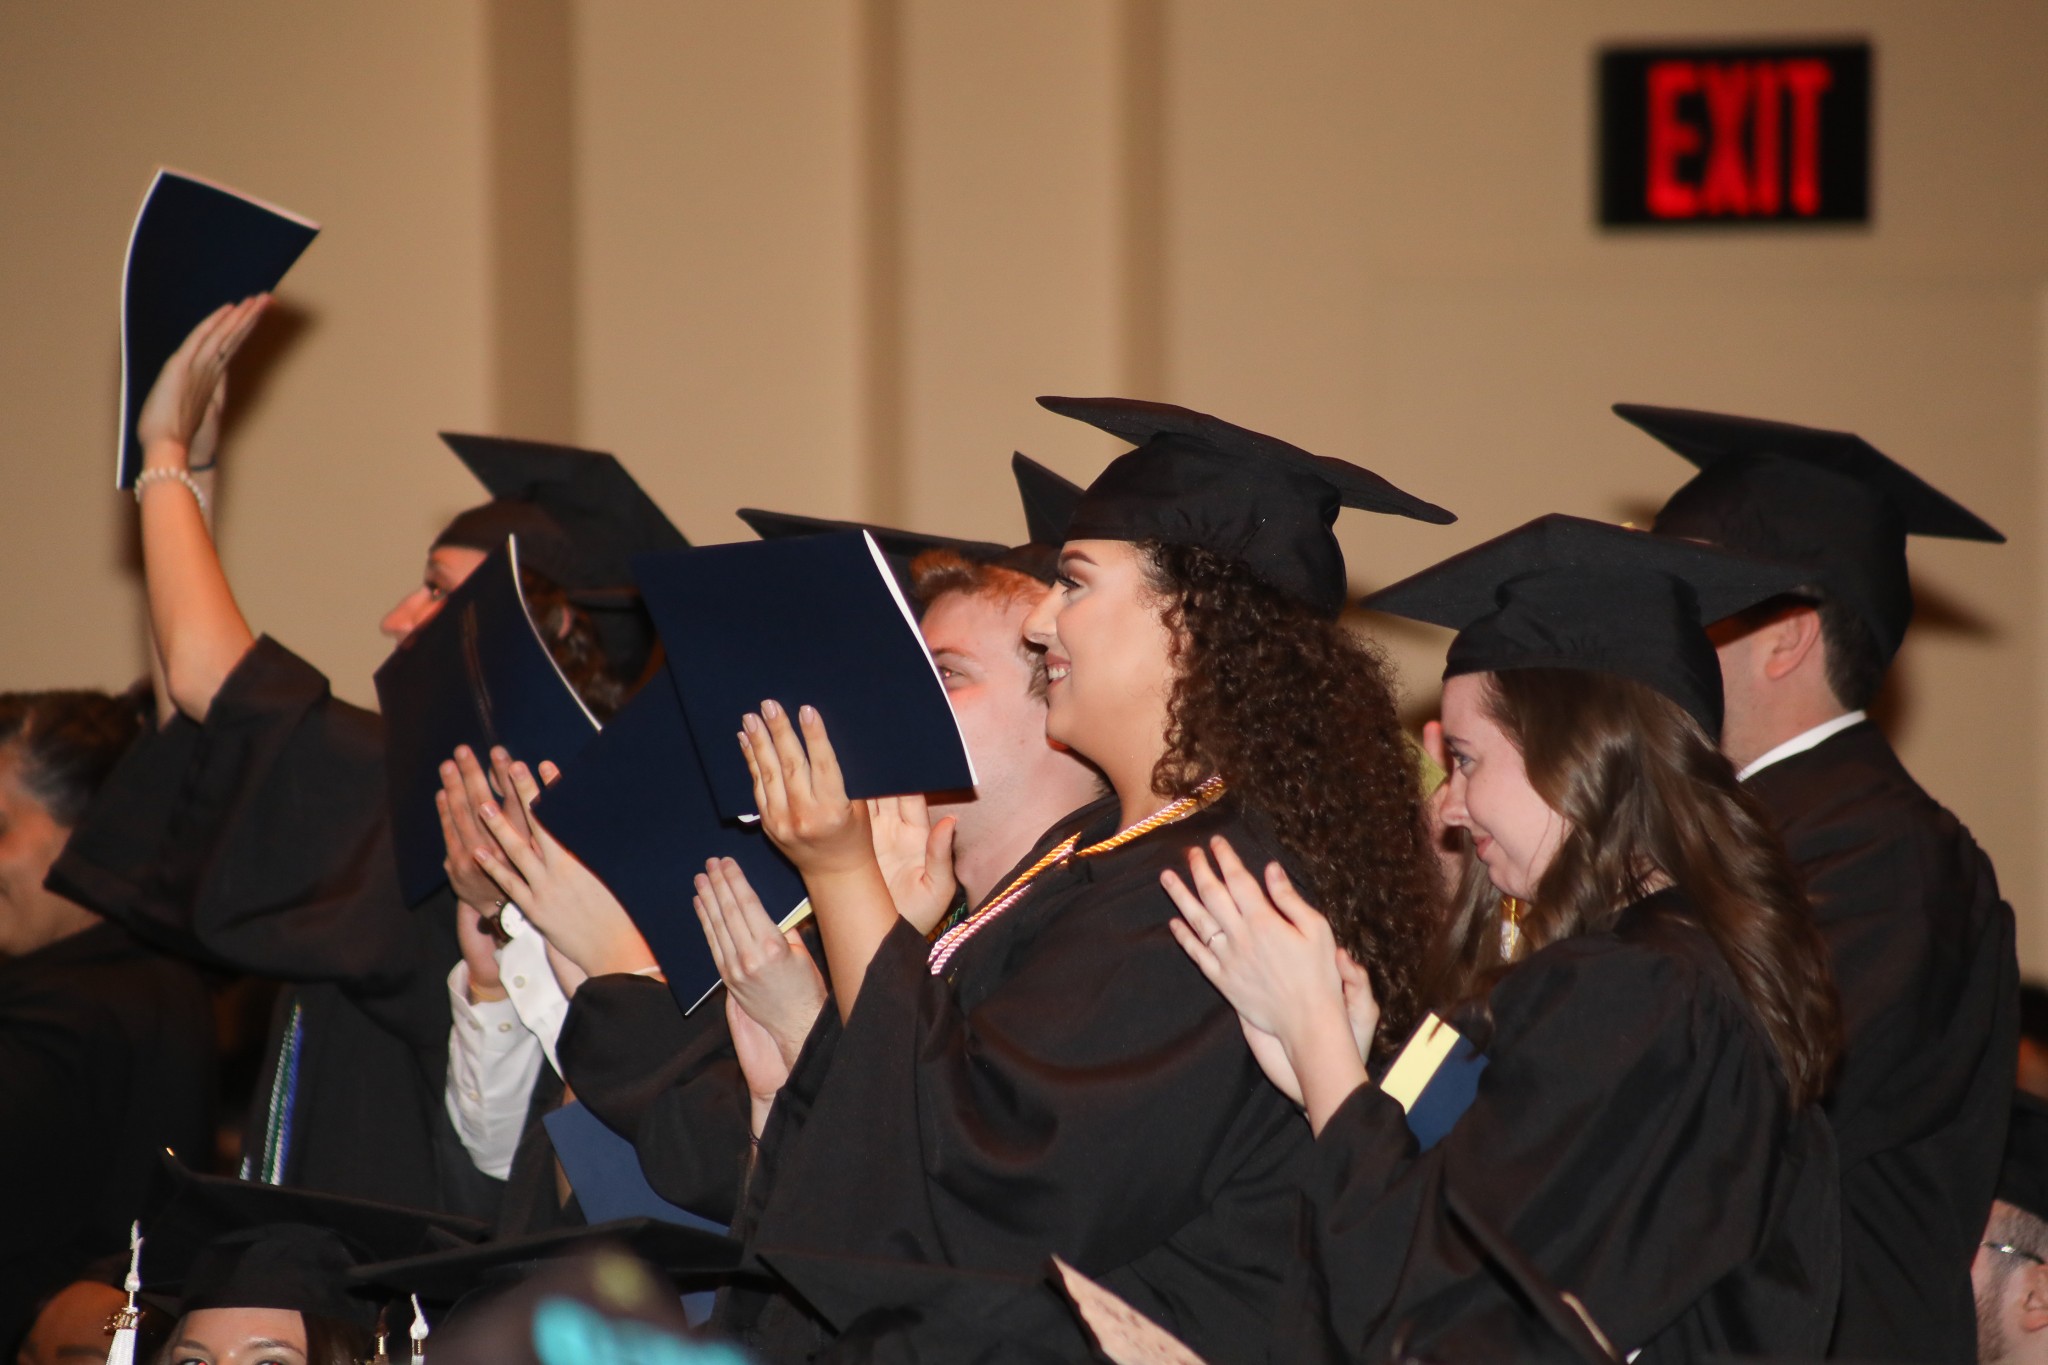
(1051, 1074)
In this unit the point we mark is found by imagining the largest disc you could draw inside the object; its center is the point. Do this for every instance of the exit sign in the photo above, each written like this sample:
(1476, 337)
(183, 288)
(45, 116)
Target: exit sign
(1735, 135)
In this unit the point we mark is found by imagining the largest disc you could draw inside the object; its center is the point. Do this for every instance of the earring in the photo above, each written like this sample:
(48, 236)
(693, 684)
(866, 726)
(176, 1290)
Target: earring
(1510, 928)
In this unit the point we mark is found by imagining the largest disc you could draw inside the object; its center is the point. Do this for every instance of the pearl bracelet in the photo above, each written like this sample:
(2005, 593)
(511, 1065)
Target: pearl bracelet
(167, 474)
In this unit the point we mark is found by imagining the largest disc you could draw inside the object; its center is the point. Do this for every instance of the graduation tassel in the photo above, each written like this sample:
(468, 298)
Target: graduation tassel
(126, 1320)
(419, 1333)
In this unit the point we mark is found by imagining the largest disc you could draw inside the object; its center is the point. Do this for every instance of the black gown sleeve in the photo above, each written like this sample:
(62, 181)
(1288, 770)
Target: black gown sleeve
(1630, 1134)
(263, 837)
(667, 1082)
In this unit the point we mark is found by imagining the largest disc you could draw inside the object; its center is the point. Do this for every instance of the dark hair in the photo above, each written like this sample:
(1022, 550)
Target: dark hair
(69, 741)
(1643, 791)
(329, 1341)
(1855, 663)
(1298, 716)
(573, 639)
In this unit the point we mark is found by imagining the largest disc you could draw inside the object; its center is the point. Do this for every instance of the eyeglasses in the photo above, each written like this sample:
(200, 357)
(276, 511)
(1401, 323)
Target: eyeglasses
(2007, 1249)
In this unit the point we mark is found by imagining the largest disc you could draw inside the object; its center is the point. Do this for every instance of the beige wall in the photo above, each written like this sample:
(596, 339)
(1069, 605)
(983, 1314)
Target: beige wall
(819, 254)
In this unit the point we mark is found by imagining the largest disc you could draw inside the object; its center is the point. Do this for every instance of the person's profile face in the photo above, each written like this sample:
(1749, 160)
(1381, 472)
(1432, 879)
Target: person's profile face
(1488, 794)
(447, 567)
(991, 678)
(1108, 653)
(30, 840)
(239, 1336)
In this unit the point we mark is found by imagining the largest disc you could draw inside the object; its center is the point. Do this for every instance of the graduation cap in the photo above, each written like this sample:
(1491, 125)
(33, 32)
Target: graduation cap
(1826, 500)
(1197, 480)
(2023, 1175)
(1565, 592)
(219, 1243)
(1049, 500)
(681, 1253)
(900, 548)
(580, 519)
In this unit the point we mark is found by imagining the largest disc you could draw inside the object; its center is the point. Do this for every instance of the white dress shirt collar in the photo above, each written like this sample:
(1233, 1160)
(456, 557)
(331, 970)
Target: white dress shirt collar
(1800, 743)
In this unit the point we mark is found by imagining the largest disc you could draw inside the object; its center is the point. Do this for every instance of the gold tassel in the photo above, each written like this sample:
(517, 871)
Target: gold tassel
(1510, 928)
(125, 1321)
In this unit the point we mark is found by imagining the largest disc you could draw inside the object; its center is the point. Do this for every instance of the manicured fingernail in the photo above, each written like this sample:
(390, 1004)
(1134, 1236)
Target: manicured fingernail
(488, 811)
(750, 722)
(809, 713)
(771, 708)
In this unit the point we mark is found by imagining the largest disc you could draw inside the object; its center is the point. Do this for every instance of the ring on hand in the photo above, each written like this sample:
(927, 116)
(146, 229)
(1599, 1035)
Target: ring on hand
(1210, 942)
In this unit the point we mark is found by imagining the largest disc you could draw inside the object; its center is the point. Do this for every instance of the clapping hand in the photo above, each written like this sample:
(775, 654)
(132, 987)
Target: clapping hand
(768, 973)
(574, 910)
(916, 857)
(1303, 1005)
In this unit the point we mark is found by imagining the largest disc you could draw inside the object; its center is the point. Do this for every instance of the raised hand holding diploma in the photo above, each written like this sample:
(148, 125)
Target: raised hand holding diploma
(801, 795)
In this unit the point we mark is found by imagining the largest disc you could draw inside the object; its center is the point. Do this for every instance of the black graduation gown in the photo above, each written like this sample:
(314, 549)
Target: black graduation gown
(1922, 952)
(669, 1083)
(1072, 1086)
(261, 840)
(1631, 1134)
(106, 1058)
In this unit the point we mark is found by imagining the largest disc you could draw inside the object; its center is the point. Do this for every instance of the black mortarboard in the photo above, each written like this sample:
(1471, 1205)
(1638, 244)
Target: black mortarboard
(1197, 480)
(1049, 500)
(1564, 592)
(1828, 501)
(580, 519)
(2023, 1175)
(900, 548)
(683, 1253)
(218, 1243)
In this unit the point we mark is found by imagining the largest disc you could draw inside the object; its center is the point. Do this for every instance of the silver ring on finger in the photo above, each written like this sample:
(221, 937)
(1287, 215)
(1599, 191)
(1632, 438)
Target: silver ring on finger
(1213, 939)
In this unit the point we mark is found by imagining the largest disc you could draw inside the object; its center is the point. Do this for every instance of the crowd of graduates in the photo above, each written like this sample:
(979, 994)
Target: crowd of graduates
(1642, 1007)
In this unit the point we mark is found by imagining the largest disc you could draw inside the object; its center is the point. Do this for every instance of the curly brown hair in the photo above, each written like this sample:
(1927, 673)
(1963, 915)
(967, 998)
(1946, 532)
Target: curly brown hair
(1645, 791)
(1298, 715)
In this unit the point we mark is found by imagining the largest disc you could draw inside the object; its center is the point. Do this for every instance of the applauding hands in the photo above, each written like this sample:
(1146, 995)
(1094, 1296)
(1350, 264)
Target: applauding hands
(582, 921)
(1306, 1008)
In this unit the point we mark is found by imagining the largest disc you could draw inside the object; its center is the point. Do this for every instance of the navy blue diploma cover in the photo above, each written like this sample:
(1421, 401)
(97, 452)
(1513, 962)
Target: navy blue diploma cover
(815, 620)
(636, 809)
(477, 674)
(194, 247)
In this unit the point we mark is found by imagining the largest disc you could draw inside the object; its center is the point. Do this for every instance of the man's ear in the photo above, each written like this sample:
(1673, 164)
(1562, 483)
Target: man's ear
(1792, 638)
(2033, 1314)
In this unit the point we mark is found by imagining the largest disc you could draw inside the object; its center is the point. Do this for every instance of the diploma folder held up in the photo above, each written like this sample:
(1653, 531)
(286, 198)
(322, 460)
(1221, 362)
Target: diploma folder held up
(195, 246)
(812, 620)
(477, 674)
(635, 808)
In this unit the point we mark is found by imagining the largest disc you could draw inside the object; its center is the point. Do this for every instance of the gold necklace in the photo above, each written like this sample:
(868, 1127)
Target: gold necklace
(1063, 852)
(1510, 928)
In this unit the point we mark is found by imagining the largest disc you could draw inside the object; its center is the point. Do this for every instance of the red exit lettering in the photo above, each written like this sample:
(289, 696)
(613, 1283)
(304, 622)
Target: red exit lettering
(1729, 158)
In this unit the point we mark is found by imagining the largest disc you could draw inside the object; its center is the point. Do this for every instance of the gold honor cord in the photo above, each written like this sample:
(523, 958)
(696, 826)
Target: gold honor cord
(1063, 852)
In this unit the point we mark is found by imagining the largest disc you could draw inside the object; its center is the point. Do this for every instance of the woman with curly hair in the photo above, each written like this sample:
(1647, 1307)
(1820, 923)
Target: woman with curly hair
(1051, 1075)
(1637, 960)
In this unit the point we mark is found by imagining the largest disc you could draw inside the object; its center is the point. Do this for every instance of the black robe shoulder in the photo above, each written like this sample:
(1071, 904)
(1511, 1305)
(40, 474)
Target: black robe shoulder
(1070, 1085)
(1631, 1133)
(260, 841)
(1922, 950)
(106, 1058)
